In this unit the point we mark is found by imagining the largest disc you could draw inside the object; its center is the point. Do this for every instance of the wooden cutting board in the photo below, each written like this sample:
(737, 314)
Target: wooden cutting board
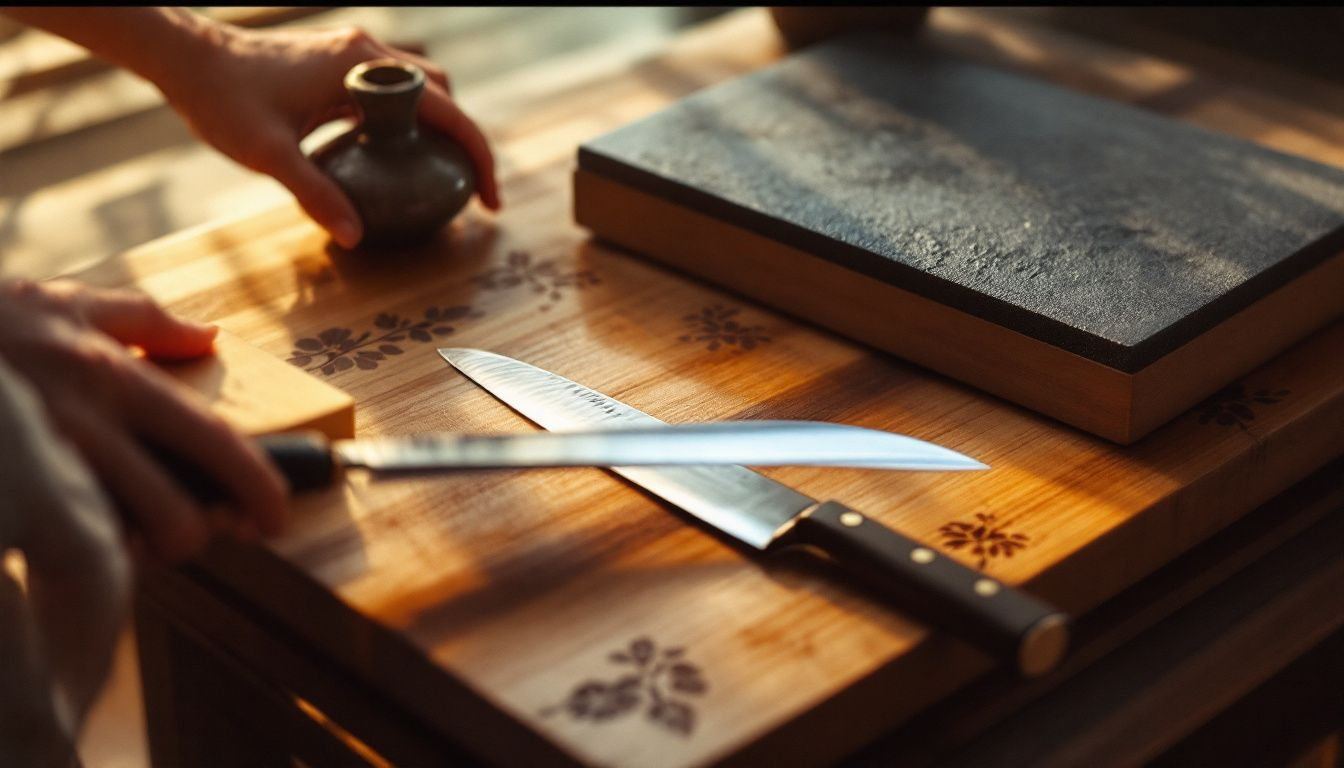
(564, 615)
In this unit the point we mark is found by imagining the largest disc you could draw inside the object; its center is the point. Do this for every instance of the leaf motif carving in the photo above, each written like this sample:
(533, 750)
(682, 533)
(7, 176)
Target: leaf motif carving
(343, 350)
(546, 279)
(651, 676)
(1233, 405)
(641, 650)
(674, 716)
(985, 538)
(716, 325)
(334, 336)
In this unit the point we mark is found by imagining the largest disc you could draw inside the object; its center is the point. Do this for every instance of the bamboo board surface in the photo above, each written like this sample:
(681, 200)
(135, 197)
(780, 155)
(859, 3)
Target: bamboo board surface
(532, 594)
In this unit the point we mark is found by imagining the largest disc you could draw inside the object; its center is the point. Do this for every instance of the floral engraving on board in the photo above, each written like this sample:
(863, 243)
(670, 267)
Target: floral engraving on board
(543, 277)
(986, 540)
(1233, 406)
(339, 349)
(718, 326)
(652, 680)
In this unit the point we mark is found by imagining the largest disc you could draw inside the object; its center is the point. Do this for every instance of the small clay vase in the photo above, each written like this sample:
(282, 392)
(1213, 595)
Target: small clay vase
(406, 181)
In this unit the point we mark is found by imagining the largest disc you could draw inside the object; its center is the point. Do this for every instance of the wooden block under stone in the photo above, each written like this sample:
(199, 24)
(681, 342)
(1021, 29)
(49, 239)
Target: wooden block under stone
(260, 394)
(1098, 263)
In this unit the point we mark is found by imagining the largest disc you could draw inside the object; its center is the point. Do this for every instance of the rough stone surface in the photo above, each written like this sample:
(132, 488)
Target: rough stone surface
(1113, 232)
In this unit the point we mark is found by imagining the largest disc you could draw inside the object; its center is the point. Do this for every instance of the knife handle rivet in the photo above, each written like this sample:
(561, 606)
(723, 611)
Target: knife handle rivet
(851, 519)
(986, 587)
(921, 555)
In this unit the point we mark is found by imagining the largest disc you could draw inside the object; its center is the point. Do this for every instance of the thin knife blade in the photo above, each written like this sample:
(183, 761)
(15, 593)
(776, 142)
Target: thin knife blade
(741, 503)
(754, 443)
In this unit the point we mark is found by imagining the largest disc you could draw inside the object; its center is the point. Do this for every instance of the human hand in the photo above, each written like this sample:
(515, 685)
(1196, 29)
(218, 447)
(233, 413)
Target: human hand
(253, 94)
(68, 341)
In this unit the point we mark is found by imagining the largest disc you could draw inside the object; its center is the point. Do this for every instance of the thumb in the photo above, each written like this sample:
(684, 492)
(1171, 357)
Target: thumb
(320, 197)
(134, 318)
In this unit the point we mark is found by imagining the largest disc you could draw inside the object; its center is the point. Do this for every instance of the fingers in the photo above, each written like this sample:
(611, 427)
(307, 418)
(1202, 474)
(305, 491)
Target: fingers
(320, 197)
(432, 70)
(107, 402)
(134, 318)
(440, 111)
(168, 416)
(172, 522)
(342, 110)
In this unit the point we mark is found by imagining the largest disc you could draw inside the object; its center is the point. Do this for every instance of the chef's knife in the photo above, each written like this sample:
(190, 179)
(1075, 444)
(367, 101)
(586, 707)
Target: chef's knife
(769, 516)
(308, 461)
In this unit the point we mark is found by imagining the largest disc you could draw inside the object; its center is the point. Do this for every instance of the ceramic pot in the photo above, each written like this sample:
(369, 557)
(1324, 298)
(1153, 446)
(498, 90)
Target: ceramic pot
(405, 180)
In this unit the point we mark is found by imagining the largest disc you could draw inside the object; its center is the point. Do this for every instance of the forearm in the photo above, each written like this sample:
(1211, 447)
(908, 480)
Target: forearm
(151, 42)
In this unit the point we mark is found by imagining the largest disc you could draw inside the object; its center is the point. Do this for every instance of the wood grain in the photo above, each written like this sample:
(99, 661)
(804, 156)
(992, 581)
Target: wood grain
(483, 603)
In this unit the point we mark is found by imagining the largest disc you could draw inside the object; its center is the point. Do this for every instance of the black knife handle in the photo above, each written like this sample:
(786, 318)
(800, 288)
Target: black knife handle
(303, 458)
(985, 612)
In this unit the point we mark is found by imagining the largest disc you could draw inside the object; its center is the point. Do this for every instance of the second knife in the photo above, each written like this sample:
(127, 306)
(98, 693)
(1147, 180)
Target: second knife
(768, 516)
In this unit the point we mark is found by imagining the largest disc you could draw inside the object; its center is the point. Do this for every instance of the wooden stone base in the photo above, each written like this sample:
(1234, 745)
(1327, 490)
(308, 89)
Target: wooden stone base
(1119, 406)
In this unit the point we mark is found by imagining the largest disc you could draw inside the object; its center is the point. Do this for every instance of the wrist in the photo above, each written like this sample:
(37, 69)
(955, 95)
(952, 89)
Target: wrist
(178, 42)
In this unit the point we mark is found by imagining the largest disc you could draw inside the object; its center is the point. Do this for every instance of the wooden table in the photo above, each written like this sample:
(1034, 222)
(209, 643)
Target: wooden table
(491, 616)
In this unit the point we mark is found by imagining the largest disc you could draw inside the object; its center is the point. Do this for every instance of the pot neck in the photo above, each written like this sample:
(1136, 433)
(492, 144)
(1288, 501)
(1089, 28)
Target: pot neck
(387, 93)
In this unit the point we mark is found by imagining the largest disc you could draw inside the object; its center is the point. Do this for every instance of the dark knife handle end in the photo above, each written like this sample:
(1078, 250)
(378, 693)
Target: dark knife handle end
(1000, 619)
(304, 459)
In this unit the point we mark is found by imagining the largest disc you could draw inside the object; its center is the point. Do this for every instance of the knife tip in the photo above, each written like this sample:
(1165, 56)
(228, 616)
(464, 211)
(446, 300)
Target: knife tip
(455, 354)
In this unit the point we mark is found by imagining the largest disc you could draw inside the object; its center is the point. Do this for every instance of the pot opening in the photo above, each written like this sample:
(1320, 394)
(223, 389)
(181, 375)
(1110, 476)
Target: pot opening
(388, 76)
(385, 76)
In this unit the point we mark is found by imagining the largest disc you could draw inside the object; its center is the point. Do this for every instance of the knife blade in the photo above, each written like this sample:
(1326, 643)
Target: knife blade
(770, 516)
(308, 461)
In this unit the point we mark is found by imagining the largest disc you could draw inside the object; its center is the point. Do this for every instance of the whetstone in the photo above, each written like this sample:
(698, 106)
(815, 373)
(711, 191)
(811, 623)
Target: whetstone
(1095, 239)
(260, 394)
